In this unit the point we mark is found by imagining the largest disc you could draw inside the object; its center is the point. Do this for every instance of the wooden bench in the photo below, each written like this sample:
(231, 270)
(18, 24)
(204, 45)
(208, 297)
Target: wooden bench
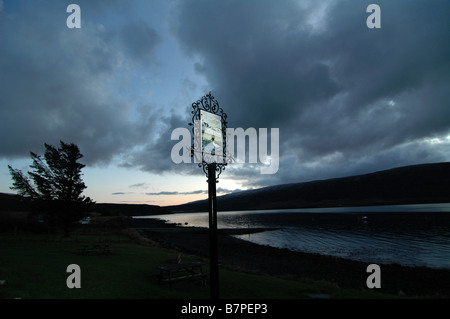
(97, 249)
(181, 271)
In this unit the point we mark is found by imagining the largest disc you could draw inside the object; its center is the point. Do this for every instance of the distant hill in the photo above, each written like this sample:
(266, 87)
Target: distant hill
(11, 202)
(129, 209)
(426, 183)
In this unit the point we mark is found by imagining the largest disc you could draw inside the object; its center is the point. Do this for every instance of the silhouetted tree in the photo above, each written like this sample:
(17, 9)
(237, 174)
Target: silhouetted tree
(55, 185)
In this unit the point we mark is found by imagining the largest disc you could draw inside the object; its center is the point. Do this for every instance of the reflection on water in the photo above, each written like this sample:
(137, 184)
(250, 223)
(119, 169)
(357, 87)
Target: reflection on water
(414, 235)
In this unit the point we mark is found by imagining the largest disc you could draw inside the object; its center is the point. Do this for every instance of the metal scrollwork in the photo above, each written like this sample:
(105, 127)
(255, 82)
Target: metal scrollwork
(210, 104)
(219, 169)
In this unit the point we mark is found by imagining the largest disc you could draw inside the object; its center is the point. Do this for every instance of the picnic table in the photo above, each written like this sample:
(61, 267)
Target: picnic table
(181, 271)
(99, 249)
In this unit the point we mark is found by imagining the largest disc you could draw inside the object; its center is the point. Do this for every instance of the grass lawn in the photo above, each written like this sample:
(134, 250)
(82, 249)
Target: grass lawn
(35, 268)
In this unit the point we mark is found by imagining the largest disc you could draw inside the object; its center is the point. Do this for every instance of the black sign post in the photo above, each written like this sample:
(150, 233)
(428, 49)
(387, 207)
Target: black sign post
(209, 151)
(213, 249)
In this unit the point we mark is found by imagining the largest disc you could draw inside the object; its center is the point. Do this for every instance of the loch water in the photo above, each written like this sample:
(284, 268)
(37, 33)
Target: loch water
(410, 235)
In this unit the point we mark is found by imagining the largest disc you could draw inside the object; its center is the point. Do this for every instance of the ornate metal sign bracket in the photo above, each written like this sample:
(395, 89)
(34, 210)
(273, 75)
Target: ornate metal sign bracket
(209, 104)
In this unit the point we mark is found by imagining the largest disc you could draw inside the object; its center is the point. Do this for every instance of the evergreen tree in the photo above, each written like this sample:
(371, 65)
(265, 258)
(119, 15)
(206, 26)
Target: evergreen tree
(55, 185)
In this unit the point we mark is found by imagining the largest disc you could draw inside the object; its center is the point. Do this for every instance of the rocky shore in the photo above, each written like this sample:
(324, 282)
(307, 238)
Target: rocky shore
(241, 255)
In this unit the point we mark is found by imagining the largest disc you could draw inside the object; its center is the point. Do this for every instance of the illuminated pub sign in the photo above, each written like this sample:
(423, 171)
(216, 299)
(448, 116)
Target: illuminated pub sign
(211, 137)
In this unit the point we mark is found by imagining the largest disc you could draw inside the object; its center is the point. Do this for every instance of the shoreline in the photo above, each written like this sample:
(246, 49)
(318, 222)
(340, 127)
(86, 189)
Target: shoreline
(241, 255)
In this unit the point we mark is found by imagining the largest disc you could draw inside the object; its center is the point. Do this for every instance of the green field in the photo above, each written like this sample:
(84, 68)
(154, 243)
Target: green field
(35, 268)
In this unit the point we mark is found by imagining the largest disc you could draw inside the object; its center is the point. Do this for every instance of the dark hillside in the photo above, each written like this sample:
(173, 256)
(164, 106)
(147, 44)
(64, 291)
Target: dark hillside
(16, 203)
(426, 183)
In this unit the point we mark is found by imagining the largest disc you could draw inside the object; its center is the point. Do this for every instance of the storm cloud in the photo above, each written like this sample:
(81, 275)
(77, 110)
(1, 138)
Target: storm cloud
(60, 84)
(347, 99)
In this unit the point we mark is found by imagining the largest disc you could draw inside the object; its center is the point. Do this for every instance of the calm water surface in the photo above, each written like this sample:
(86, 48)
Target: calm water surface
(412, 235)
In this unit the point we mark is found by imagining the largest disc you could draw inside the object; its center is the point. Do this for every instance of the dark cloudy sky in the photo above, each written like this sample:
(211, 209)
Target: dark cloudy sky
(346, 99)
